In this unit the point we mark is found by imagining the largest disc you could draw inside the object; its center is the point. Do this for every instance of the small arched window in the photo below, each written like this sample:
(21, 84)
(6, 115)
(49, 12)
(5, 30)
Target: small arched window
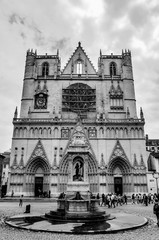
(45, 69)
(112, 68)
(79, 67)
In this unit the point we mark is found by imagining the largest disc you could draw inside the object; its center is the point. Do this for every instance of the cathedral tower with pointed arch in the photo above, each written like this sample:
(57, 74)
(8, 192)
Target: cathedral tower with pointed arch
(78, 126)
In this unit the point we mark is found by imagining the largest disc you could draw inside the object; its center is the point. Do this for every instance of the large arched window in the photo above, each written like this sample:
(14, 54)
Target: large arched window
(78, 97)
(112, 68)
(79, 67)
(45, 69)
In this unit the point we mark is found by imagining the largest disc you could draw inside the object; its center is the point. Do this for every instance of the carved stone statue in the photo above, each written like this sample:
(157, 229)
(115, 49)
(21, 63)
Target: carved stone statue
(78, 169)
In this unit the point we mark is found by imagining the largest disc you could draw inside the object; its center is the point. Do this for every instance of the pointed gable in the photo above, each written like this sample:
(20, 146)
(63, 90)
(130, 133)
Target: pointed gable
(14, 165)
(118, 151)
(21, 163)
(135, 161)
(102, 163)
(142, 164)
(112, 90)
(118, 90)
(79, 63)
(38, 152)
(78, 141)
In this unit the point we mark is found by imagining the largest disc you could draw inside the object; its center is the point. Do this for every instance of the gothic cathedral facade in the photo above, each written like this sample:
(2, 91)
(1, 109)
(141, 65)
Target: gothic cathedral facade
(78, 125)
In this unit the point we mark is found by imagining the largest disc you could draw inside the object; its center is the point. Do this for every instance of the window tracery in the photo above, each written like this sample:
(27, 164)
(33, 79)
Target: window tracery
(78, 97)
(112, 69)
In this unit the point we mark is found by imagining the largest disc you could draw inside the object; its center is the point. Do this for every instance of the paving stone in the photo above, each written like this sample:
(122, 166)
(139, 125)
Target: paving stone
(148, 232)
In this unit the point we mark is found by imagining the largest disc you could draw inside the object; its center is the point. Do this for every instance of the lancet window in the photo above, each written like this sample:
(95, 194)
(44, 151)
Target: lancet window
(45, 69)
(79, 67)
(113, 69)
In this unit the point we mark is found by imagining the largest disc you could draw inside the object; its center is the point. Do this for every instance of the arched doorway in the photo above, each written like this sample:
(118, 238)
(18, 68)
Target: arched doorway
(119, 171)
(37, 177)
(118, 185)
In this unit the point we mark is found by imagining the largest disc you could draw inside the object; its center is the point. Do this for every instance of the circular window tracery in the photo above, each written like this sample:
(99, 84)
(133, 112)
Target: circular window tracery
(78, 97)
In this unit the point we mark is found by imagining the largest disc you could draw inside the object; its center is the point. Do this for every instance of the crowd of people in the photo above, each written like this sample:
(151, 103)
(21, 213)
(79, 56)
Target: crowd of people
(113, 200)
(144, 198)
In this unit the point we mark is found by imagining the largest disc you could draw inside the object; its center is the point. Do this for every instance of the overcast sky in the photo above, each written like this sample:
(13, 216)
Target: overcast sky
(109, 25)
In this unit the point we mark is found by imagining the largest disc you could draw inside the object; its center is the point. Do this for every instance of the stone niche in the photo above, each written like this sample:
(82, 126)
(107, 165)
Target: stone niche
(78, 177)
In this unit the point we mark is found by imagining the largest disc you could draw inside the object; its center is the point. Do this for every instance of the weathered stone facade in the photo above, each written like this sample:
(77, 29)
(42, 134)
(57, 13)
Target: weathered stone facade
(78, 125)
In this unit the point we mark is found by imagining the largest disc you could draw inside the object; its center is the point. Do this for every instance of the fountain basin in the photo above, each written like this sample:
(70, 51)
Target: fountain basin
(77, 211)
(35, 222)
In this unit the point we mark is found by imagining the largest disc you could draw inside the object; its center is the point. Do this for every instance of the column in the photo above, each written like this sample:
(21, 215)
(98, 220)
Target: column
(86, 170)
(70, 170)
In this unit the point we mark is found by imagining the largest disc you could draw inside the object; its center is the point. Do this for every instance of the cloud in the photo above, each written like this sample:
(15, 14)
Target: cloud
(15, 18)
(59, 44)
(23, 35)
(110, 25)
(139, 15)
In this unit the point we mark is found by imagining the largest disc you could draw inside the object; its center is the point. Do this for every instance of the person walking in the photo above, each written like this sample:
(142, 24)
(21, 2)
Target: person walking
(156, 210)
(21, 201)
(113, 200)
(103, 199)
(133, 198)
(12, 193)
(146, 200)
(125, 199)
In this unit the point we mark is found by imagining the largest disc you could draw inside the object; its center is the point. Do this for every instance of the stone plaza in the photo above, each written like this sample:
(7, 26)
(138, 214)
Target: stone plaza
(10, 208)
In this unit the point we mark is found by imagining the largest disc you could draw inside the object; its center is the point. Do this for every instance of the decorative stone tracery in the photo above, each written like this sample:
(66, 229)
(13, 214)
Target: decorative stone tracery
(78, 97)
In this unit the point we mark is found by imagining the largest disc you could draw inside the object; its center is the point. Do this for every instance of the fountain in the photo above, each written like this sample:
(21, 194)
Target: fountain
(78, 209)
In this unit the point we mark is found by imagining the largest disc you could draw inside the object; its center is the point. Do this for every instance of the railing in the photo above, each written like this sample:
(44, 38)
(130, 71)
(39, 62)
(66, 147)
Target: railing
(76, 76)
(111, 56)
(47, 56)
(87, 121)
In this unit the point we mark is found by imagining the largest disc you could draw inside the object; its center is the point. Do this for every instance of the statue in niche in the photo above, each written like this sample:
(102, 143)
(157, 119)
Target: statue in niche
(79, 171)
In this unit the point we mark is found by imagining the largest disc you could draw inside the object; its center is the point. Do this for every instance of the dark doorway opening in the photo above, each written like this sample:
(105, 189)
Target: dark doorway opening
(38, 186)
(118, 185)
(3, 190)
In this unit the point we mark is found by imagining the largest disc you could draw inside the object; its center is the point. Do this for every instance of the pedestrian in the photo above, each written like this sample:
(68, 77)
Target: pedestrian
(109, 200)
(156, 210)
(103, 199)
(49, 193)
(125, 199)
(12, 193)
(113, 200)
(146, 200)
(21, 201)
(133, 198)
(98, 198)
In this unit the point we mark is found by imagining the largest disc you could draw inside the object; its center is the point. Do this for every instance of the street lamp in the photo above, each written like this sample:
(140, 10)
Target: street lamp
(156, 176)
